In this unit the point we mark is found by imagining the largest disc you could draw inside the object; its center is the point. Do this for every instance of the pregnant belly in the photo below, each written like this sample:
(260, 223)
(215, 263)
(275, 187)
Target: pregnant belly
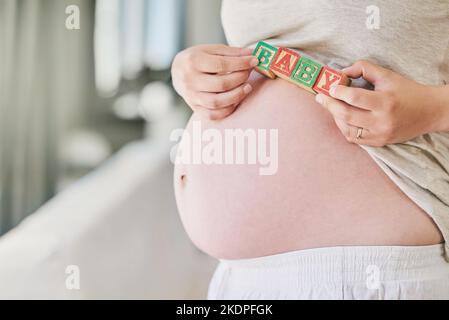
(325, 192)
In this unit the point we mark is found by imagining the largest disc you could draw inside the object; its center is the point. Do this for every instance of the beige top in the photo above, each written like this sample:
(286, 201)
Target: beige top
(411, 37)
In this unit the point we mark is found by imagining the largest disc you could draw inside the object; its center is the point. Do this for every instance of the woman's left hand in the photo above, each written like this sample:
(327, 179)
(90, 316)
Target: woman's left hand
(397, 110)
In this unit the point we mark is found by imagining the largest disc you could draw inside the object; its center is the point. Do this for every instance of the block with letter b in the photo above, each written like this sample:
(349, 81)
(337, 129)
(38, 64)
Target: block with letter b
(306, 73)
(265, 53)
(329, 77)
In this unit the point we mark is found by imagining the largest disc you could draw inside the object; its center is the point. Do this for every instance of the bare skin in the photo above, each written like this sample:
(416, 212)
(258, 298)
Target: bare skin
(327, 192)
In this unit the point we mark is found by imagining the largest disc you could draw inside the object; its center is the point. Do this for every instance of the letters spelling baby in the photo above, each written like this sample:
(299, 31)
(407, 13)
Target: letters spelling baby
(302, 71)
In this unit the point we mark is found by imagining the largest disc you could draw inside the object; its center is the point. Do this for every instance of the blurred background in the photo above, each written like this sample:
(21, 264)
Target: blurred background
(86, 107)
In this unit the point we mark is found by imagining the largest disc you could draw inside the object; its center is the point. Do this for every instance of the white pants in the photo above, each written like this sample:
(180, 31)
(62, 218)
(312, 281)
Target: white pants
(336, 273)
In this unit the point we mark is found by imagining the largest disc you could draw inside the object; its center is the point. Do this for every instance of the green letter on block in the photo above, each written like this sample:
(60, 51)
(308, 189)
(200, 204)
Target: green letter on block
(265, 53)
(306, 72)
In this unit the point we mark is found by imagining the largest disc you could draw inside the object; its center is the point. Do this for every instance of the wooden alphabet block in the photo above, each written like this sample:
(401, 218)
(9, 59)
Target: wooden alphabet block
(265, 53)
(306, 73)
(301, 71)
(284, 63)
(329, 77)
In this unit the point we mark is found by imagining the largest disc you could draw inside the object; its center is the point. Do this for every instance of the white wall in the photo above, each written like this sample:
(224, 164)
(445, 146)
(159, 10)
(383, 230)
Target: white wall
(204, 22)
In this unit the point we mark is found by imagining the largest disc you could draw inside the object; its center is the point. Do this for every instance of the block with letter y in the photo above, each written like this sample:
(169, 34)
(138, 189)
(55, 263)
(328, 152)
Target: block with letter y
(265, 53)
(329, 77)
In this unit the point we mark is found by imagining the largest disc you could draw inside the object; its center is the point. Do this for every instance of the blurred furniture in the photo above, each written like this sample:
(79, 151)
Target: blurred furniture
(119, 225)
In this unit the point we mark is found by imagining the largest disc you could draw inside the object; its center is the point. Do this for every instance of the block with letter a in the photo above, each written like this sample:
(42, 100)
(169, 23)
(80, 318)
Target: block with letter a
(284, 63)
(329, 77)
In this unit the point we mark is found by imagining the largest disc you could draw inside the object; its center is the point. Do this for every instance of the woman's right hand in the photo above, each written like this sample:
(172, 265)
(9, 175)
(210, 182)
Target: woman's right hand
(212, 79)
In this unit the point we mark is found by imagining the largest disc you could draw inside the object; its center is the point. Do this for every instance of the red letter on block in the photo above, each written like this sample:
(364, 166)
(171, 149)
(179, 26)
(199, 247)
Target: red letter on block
(329, 77)
(284, 62)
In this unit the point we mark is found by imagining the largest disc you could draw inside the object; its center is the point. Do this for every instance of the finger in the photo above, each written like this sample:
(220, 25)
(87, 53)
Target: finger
(367, 70)
(357, 97)
(351, 133)
(225, 99)
(221, 64)
(342, 111)
(216, 114)
(219, 83)
(224, 50)
(344, 128)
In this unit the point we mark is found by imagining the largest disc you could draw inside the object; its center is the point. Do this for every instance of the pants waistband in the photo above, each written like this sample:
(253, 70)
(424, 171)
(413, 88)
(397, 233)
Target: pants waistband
(352, 264)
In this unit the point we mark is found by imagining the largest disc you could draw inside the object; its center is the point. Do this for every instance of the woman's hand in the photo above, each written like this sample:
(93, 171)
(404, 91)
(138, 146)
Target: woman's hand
(212, 78)
(397, 110)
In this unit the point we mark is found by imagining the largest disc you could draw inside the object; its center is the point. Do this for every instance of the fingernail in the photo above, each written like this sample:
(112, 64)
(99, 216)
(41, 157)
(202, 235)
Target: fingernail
(332, 90)
(319, 98)
(247, 51)
(247, 88)
(254, 62)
